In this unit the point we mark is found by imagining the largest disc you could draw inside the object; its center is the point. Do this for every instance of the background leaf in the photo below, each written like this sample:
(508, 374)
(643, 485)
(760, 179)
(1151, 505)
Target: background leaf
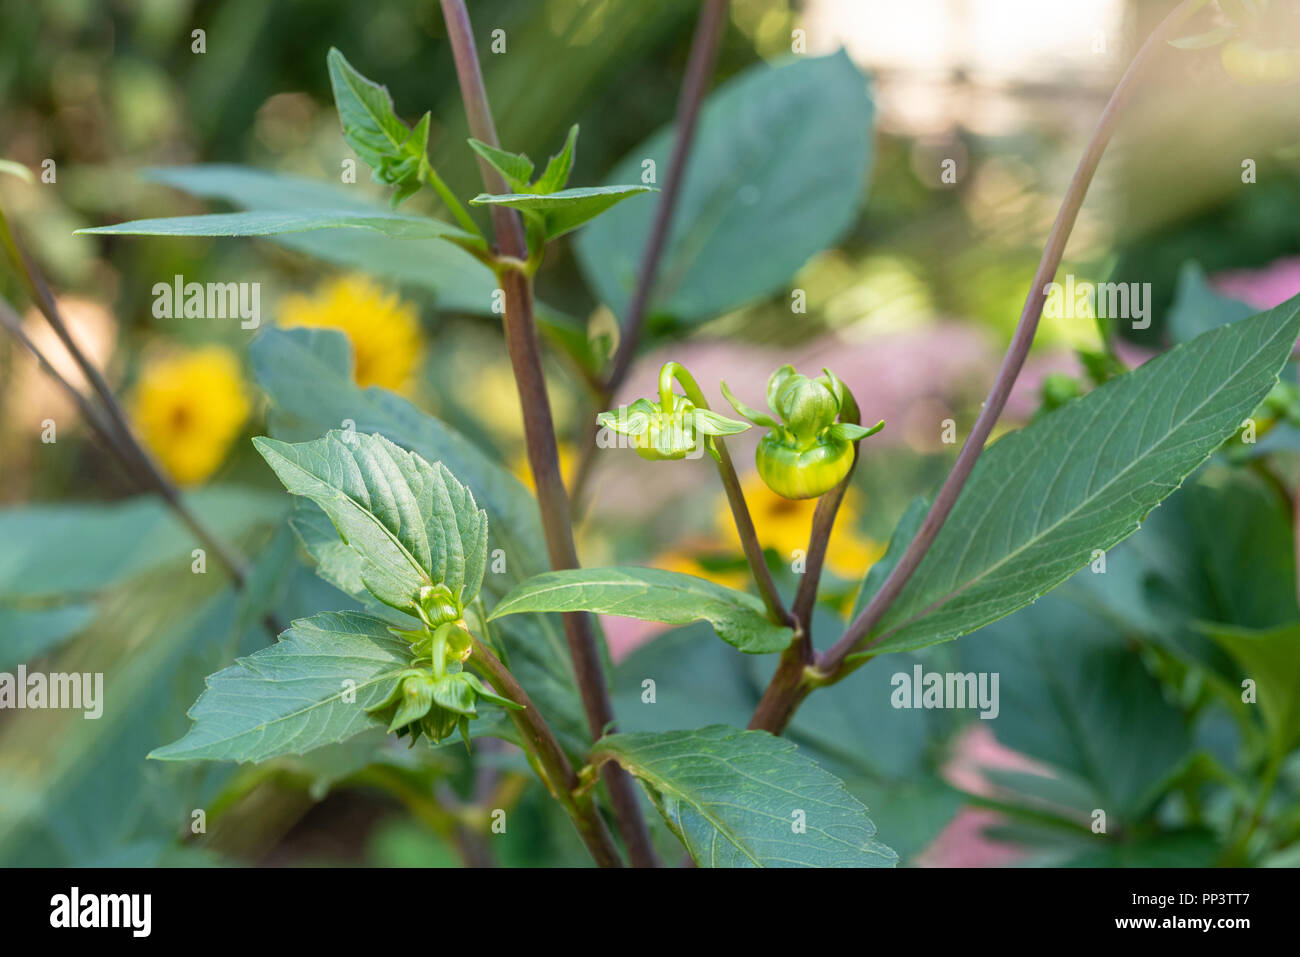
(1072, 692)
(273, 222)
(776, 174)
(731, 796)
(1270, 658)
(94, 798)
(1198, 308)
(460, 282)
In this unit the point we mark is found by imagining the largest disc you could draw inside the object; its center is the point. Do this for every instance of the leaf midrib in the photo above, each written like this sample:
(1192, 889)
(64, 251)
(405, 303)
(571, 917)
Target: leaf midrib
(368, 514)
(945, 599)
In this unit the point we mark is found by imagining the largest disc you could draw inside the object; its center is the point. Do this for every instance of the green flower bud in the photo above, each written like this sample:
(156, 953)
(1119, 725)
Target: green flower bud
(439, 605)
(440, 723)
(802, 473)
(436, 703)
(409, 700)
(806, 405)
(807, 453)
(672, 429)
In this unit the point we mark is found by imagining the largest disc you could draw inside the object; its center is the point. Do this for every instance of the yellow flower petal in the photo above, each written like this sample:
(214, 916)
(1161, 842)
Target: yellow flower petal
(383, 328)
(188, 408)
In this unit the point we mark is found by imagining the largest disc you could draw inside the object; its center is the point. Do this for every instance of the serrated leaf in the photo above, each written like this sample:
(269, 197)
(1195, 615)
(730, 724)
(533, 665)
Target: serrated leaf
(310, 688)
(736, 799)
(394, 152)
(1042, 499)
(565, 210)
(308, 379)
(776, 174)
(411, 523)
(273, 222)
(651, 594)
(460, 282)
(515, 168)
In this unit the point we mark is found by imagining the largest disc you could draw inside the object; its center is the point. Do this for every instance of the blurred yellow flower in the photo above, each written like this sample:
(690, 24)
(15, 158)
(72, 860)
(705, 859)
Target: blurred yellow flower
(189, 408)
(568, 465)
(783, 525)
(383, 328)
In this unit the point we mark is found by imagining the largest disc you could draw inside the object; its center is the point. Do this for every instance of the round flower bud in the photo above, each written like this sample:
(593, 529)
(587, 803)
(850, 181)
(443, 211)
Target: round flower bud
(803, 473)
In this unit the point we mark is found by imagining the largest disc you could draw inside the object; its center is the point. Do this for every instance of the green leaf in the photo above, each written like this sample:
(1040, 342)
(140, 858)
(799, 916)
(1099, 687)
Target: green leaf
(1191, 848)
(395, 154)
(1071, 692)
(22, 172)
(272, 222)
(117, 542)
(1270, 658)
(1042, 499)
(776, 175)
(1245, 546)
(737, 799)
(307, 374)
(651, 594)
(460, 282)
(95, 798)
(310, 688)
(852, 432)
(515, 168)
(412, 524)
(566, 210)
(710, 423)
(1197, 308)
(556, 176)
(26, 634)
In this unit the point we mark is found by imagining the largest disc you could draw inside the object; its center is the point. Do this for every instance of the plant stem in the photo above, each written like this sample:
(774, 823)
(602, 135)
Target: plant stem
(131, 466)
(831, 664)
(699, 69)
(539, 432)
(541, 743)
(109, 423)
(1021, 341)
(789, 685)
(735, 495)
(451, 202)
(819, 537)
